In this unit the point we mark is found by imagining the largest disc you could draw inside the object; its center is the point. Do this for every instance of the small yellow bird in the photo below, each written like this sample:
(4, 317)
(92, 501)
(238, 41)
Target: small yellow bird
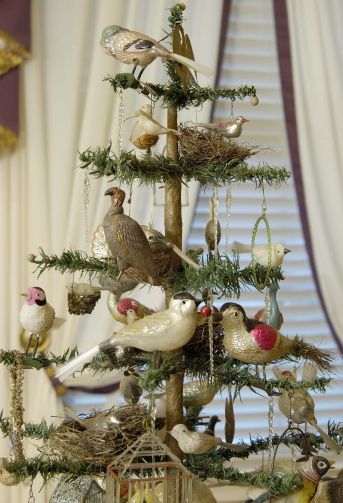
(311, 473)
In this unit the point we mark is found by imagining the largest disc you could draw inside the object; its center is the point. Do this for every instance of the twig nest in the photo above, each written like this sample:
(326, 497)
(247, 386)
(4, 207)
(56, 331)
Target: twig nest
(82, 298)
(144, 141)
(7, 478)
(199, 146)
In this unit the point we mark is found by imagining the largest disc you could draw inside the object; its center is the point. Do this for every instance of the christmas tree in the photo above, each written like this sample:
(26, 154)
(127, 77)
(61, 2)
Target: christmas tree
(188, 354)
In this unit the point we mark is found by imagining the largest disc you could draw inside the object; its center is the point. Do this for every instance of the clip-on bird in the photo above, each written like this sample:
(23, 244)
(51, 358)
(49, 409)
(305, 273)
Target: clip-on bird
(136, 49)
(211, 425)
(252, 341)
(261, 253)
(130, 387)
(194, 442)
(275, 316)
(126, 240)
(330, 490)
(298, 405)
(126, 310)
(36, 314)
(229, 129)
(161, 331)
(311, 473)
(146, 124)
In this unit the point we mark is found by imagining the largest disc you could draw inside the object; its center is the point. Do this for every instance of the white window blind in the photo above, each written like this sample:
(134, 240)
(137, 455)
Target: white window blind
(251, 58)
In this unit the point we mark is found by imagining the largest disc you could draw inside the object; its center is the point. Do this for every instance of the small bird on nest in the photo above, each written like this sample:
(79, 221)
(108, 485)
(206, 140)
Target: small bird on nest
(229, 129)
(126, 240)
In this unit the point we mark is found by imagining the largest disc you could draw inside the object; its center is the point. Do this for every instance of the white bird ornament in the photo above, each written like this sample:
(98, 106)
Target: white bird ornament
(36, 314)
(261, 253)
(194, 442)
(161, 331)
(146, 124)
(229, 129)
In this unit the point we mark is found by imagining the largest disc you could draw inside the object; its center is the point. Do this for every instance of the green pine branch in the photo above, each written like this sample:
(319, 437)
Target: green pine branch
(157, 168)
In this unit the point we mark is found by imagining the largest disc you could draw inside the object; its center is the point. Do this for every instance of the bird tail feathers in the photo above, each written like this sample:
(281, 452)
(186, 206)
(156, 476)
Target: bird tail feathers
(74, 364)
(330, 442)
(190, 63)
(238, 247)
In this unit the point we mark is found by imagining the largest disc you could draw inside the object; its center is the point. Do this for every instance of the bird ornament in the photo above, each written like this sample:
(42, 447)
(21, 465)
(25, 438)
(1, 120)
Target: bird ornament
(133, 48)
(330, 490)
(274, 317)
(298, 405)
(126, 310)
(161, 331)
(211, 425)
(130, 387)
(36, 314)
(252, 341)
(311, 473)
(260, 253)
(126, 240)
(229, 129)
(194, 442)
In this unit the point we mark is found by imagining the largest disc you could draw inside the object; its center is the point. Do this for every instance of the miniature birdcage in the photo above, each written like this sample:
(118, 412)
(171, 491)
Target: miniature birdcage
(147, 471)
(80, 490)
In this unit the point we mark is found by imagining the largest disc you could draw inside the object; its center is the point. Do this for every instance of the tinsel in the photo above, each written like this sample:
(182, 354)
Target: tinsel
(149, 169)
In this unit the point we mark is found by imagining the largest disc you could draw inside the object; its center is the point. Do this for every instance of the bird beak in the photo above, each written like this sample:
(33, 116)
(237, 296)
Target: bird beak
(245, 120)
(332, 462)
(199, 301)
(24, 294)
(286, 250)
(108, 192)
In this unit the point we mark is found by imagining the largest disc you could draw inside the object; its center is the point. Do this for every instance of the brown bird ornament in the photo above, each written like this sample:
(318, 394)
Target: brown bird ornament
(126, 240)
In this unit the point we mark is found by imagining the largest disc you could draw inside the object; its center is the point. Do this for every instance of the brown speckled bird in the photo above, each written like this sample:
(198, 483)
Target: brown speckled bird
(126, 239)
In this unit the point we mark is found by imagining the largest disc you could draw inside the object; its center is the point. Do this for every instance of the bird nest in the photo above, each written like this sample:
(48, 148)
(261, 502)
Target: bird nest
(100, 437)
(201, 146)
(200, 339)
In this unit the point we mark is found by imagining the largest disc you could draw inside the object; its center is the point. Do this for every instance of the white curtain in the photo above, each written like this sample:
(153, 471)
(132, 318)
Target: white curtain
(317, 56)
(65, 108)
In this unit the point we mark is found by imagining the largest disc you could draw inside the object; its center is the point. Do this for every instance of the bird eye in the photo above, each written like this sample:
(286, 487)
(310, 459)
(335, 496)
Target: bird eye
(235, 314)
(321, 464)
(183, 302)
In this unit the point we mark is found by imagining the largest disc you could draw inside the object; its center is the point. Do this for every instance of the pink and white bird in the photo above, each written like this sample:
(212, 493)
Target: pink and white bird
(126, 310)
(36, 314)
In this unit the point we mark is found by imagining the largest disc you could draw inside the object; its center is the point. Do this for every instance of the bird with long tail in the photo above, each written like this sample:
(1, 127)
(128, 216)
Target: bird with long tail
(161, 331)
(254, 342)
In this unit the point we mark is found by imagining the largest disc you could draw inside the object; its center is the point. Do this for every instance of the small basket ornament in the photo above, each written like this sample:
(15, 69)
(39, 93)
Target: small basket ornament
(82, 298)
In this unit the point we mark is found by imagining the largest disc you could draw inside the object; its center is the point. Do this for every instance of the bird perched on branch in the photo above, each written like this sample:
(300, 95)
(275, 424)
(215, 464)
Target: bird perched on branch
(211, 425)
(311, 473)
(126, 310)
(146, 124)
(126, 239)
(136, 49)
(36, 314)
(274, 318)
(251, 341)
(194, 442)
(260, 253)
(298, 405)
(229, 129)
(161, 331)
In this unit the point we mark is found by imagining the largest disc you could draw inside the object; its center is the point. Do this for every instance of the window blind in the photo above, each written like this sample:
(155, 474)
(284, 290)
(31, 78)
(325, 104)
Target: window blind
(251, 58)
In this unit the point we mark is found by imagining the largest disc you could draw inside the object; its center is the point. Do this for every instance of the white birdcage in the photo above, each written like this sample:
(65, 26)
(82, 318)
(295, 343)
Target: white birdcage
(147, 471)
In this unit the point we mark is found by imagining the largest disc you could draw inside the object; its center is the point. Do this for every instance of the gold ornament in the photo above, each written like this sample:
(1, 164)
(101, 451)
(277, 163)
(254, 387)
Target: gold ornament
(198, 394)
(210, 234)
(43, 342)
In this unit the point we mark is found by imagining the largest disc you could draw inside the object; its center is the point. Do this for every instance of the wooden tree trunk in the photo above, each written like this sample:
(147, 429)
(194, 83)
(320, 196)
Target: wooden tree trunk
(173, 232)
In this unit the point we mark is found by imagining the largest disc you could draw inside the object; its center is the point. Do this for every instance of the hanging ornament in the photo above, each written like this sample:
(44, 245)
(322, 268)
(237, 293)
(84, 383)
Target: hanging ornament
(254, 101)
(271, 313)
(213, 228)
(271, 418)
(229, 418)
(82, 298)
(198, 393)
(148, 471)
(79, 490)
(130, 386)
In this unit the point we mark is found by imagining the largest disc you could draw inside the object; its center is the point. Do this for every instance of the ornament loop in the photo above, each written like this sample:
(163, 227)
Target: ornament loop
(262, 217)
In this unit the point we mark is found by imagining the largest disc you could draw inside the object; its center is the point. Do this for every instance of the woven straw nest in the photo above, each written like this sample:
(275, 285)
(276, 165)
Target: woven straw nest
(100, 437)
(202, 146)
